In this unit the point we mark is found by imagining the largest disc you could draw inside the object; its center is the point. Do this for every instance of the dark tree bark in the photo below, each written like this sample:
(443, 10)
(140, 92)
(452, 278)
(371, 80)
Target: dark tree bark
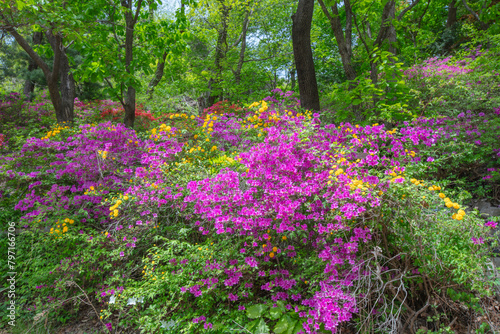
(452, 14)
(52, 76)
(29, 85)
(344, 42)
(292, 78)
(237, 73)
(220, 53)
(301, 40)
(391, 30)
(130, 20)
(67, 86)
(66, 81)
(160, 68)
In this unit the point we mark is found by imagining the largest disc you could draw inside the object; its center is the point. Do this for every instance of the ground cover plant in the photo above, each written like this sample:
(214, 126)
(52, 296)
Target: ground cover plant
(257, 218)
(241, 166)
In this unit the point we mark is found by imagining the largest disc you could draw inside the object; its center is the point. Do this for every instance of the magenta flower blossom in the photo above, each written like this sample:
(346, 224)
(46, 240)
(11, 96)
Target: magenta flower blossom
(491, 224)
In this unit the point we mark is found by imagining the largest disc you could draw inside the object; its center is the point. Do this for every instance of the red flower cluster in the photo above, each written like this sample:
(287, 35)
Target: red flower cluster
(117, 113)
(221, 107)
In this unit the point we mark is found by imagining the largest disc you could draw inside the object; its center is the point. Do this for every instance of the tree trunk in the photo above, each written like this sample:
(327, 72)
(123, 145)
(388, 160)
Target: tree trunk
(129, 108)
(292, 79)
(220, 53)
(130, 20)
(67, 88)
(51, 75)
(452, 14)
(237, 73)
(160, 68)
(29, 85)
(304, 63)
(391, 30)
(344, 43)
(62, 95)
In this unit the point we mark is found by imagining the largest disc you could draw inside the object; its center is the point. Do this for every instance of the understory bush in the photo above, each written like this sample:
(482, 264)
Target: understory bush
(256, 219)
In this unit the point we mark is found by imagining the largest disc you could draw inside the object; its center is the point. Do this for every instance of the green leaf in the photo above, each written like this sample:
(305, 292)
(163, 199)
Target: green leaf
(20, 5)
(282, 324)
(256, 311)
(356, 102)
(261, 327)
(292, 326)
(275, 312)
(298, 327)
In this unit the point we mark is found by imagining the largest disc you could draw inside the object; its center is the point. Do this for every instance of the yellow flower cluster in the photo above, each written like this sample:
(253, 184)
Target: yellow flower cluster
(449, 204)
(396, 176)
(61, 228)
(92, 190)
(162, 128)
(181, 116)
(150, 272)
(208, 123)
(114, 212)
(417, 182)
(335, 172)
(411, 153)
(57, 129)
(103, 154)
(359, 184)
(261, 120)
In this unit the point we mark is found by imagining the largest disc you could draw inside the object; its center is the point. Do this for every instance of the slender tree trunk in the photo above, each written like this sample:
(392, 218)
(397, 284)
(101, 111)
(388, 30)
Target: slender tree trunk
(292, 78)
(160, 68)
(67, 87)
(344, 43)
(237, 73)
(130, 20)
(29, 85)
(304, 63)
(452, 14)
(220, 53)
(383, 34)
(391, 30)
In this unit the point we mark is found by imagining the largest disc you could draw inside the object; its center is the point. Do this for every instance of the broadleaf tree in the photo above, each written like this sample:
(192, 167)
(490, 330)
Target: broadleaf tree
(124, 44)
(55, 19)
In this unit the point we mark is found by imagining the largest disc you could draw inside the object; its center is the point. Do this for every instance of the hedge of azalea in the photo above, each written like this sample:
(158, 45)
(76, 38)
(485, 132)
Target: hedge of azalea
(255, 218)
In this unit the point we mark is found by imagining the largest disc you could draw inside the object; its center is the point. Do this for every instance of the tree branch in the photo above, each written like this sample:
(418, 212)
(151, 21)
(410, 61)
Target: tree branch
(137, 11)
(471, 11)
(29, 50)
(56, 44)
(112, 88)
(245, 28)
(413, 4)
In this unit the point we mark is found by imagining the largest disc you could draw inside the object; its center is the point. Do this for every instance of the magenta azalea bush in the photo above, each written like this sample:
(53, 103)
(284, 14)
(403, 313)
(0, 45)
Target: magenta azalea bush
(261, 220)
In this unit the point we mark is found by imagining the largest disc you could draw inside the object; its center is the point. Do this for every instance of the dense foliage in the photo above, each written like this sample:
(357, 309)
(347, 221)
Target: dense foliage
(229, 208)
